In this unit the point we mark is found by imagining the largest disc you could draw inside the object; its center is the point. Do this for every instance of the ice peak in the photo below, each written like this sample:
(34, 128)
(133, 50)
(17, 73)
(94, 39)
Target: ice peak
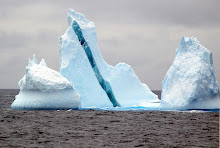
(34, 59)
(72, 15)
(43, 63)
(32, 62)
(190, 44)
(78, 17)
(189, 40)
(183, 40)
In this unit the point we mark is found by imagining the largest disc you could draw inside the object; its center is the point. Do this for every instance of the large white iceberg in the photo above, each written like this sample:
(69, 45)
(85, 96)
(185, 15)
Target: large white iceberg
(99, 84)
(75, 66)
(42, 88)
(190, 83)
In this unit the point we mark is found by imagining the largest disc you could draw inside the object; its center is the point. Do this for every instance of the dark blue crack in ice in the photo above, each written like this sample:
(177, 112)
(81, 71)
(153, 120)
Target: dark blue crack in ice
(104, 84)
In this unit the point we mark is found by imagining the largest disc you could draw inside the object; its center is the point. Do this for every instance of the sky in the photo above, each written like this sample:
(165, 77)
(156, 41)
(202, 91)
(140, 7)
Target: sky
(143, 33)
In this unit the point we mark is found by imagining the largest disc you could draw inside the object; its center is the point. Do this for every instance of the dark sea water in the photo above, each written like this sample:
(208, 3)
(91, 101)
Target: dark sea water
(7, 96)
(95, 128)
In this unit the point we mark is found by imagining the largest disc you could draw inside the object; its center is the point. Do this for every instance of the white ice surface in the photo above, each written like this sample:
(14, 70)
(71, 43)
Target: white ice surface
(126, 86)
(75, 66)
(44, 88)
(190, 83)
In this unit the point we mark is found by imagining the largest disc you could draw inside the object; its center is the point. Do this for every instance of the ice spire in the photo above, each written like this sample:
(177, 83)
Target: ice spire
(43, 63)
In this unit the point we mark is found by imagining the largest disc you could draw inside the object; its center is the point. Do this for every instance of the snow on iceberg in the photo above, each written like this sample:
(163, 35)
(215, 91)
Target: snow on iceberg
(190, 83)
(80, 54)
(42, 88)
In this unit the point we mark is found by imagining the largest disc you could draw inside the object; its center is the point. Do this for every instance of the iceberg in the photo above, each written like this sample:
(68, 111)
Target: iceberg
(99, 84)
(75, 66)
(42, 88)
(190, 83)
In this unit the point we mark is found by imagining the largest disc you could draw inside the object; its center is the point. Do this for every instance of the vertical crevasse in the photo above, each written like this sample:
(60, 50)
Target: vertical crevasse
(104, 84)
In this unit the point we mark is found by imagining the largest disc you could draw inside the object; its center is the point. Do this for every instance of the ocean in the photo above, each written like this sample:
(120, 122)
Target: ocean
(96, 128)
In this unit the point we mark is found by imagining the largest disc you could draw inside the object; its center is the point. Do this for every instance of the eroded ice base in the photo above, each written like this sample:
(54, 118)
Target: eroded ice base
(205, 104)
(39, 100)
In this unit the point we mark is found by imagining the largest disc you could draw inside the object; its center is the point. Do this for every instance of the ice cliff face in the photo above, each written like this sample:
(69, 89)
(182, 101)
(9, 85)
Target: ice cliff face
(44, 88)
(190, 83)
(100, 84)
(75, 66)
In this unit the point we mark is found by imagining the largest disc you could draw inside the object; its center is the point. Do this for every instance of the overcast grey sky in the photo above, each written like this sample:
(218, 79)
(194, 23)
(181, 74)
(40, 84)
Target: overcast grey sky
(141, 33)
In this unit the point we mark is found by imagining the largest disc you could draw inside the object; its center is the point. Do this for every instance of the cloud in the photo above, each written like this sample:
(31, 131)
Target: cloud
(11, 41)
